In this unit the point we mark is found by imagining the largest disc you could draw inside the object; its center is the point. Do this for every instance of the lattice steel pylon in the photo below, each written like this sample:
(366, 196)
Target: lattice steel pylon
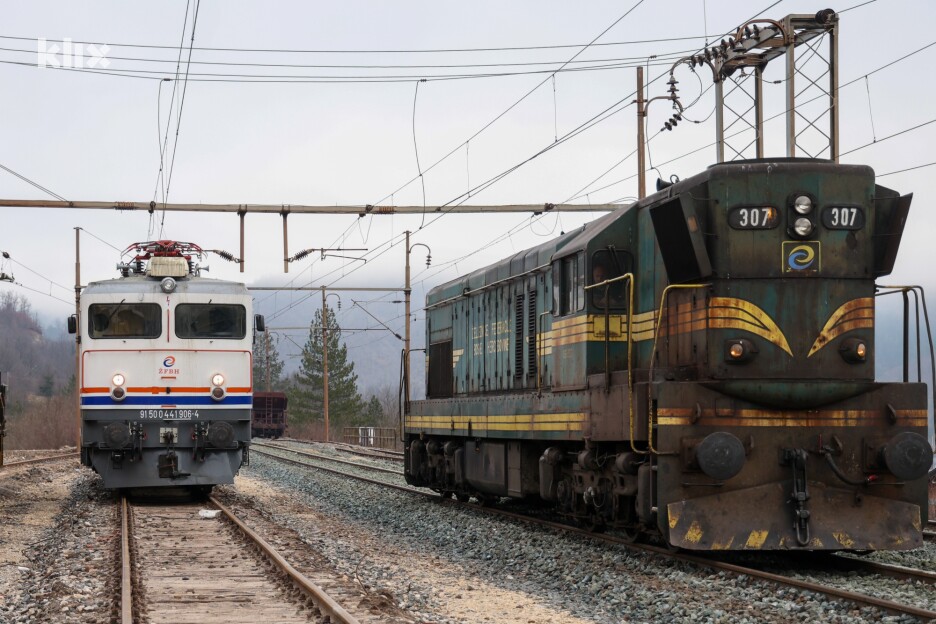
(811, 85)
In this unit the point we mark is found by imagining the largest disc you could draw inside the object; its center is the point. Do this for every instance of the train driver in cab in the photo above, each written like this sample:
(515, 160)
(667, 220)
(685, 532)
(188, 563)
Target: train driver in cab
(607, 296)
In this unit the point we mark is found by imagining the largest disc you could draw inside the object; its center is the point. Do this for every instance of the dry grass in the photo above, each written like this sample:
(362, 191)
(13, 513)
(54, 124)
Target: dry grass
(43, 424)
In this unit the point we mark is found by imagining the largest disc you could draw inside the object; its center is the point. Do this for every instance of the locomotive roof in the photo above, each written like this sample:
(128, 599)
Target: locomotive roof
(140, 283)
(571, 242)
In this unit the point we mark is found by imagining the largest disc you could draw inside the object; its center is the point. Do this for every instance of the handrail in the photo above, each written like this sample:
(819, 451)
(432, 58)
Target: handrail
(539, 350)
(630, 342)
(656, 335)
(929, 335)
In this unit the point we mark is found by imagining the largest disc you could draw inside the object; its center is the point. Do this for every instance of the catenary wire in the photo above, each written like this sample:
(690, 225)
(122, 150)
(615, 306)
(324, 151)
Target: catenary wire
(365, 51)
(175, 144)
(35, 184)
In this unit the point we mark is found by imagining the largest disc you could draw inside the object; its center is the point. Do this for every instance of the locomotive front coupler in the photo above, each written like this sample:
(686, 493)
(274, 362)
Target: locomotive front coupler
(167, 464)
(799, 497)
(136, 431)
(198, 437)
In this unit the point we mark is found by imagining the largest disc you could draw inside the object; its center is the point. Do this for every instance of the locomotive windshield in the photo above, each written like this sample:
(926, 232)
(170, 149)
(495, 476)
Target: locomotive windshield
(211, 320)
(124, 320)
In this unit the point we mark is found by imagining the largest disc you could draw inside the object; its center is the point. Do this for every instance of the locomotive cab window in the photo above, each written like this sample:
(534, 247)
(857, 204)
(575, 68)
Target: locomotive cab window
(569, 284)
(607, 264)
(211, 320)
(124, 320)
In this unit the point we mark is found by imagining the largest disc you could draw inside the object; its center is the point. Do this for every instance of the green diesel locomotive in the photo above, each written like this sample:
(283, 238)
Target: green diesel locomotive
(698, 365)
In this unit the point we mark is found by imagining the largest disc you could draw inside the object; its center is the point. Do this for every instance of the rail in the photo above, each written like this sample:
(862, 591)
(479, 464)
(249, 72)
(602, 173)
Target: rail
(39, 460)
(698, 560)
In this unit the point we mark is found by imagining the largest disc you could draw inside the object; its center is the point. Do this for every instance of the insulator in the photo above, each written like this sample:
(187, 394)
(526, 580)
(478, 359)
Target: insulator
(825, 16)
(731, 42)
(226, 255)
(668, 125)
(708, 55)
(673, 121)
(428, 259)
(191, 267)
(747, 31)
(302, 254)
(677, 117)
(724, 44)
(6, 255)
(756, 30)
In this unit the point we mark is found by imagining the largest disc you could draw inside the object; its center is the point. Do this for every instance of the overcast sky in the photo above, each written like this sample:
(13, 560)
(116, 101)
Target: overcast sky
(91, 136)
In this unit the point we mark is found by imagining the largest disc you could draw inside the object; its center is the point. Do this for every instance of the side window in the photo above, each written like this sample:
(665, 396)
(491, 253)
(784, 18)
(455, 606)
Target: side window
(607, 264)
(569, 284)
(124, 320)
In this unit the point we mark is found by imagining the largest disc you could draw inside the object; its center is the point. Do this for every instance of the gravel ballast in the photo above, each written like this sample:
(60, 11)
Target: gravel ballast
(571, 574)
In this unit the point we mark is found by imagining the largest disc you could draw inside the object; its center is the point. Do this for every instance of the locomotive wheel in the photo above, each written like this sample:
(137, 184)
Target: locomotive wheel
(592, 524)
(632, 535)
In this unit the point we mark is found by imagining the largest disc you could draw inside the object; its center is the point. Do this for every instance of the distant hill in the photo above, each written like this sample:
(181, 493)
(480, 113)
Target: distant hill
(33, 362)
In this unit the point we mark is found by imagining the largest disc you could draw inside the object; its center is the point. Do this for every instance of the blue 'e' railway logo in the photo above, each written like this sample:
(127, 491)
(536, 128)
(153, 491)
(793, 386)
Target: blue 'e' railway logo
(801, 257)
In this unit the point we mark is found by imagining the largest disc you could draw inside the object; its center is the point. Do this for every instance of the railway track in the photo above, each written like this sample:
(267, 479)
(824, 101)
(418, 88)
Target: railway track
(323, 457)
(843, 564)
(201, 563)
(38, 460)
(364, 451)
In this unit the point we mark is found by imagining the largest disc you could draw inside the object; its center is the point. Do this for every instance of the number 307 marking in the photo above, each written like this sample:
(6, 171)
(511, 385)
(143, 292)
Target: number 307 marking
(843, 217)
(753, 218)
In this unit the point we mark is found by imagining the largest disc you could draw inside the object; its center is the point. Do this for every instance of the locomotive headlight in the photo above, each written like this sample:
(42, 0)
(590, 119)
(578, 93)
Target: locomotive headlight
(803, 227)
(168, 285)
(118, 379)
(854, 350)
(217, 379)
(738, 350)
(803, 205)
(118, 393)
(218, 393)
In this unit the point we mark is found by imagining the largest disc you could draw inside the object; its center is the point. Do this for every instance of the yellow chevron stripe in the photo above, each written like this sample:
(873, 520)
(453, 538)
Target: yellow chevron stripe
(732, 313)
(854, 314)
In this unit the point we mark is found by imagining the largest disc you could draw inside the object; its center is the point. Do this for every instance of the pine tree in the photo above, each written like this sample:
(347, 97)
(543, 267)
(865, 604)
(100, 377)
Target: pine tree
(47, 387)
(344, 401)
(260, 364)
(373, 412)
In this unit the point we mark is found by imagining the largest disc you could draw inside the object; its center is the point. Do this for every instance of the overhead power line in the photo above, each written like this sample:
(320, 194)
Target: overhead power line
(144, 74)
(386, 246)
(365, 51)
(34, 184)
(634, 59)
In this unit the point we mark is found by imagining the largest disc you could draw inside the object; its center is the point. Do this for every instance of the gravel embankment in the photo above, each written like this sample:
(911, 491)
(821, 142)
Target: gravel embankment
(65, 571)
(429, 550)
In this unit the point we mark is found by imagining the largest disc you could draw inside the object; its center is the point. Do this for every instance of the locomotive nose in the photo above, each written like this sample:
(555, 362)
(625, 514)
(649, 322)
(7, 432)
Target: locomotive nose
(908, 455)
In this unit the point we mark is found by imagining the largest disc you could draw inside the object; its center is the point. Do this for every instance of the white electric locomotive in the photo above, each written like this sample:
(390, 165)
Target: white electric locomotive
(165, 372)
